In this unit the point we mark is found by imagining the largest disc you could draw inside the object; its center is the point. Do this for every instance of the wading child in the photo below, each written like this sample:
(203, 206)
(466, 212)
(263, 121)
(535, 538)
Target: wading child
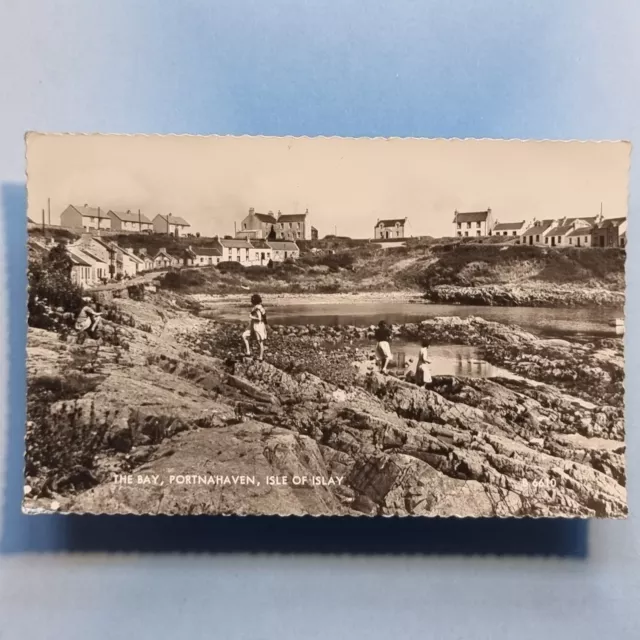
(423, 373)
(87, 321)
(383, 348)
(257, 327)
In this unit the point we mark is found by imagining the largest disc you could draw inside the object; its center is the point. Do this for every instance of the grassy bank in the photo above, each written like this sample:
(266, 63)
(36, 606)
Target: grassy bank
(423, 267)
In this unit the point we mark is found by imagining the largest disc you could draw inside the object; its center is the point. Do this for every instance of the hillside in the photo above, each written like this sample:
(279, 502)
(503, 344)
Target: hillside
(448, 272)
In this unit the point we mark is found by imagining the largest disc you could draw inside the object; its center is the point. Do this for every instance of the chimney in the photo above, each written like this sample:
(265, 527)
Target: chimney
(142, 251)
(85, 205)
(306, 211)
(128, 210)
(251, 211)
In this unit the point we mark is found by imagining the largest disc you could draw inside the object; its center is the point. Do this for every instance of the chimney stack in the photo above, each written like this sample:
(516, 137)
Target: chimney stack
(251, 210)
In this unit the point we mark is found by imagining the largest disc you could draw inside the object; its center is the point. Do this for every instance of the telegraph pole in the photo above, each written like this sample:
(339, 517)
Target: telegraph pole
(49, 211)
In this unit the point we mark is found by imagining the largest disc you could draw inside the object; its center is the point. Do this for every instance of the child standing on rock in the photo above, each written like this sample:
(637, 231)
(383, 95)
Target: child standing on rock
(423, 373)
(383, 349)
(257, 327)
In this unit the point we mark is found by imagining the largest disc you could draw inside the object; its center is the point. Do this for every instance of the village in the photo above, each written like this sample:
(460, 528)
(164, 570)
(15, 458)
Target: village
(262, 239)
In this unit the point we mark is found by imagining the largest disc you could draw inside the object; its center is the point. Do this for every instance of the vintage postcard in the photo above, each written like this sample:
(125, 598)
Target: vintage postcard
(325, 326)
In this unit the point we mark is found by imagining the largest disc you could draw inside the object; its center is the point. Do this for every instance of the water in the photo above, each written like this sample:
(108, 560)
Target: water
(547, 321)
(446, 360)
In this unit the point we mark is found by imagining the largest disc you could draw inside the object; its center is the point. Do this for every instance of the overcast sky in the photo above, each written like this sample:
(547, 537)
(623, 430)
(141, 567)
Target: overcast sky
(347, 184)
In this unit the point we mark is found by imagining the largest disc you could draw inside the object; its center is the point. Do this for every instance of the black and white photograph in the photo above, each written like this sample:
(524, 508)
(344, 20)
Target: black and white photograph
(325, 326)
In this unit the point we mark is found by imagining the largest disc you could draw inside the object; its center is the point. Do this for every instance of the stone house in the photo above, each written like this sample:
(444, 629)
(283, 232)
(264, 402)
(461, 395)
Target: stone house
(282, 250)
(128, 221)
(389, 229)
(202, 256)
(256, 225)
(611, 232)
(235, 250)
(471, 224)
(537, 232)
(509, 229)
(85, 217)
(170, 224)
(294, 226)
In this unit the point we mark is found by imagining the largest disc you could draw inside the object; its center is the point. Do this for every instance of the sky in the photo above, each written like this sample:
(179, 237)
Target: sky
(347, 184)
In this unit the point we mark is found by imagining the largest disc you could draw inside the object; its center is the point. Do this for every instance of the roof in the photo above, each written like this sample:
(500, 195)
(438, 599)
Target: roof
(539, 228)
(590, 219)
(259, 243)
(206, 251)
(78, 261)
(283, 245)
(561, 230)
(164, 252)
(235, 243)
(127, 216)
(508, 226)
(471, 216)
(177, 220)
(265, 217)
(131, 254)
(611, 222)
(81, 252)
(392, 222)
(292, 217)
(90, 212)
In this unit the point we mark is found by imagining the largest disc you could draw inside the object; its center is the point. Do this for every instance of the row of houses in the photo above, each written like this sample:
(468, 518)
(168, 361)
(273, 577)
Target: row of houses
(96, 260)
(588, 231)
(93, 218)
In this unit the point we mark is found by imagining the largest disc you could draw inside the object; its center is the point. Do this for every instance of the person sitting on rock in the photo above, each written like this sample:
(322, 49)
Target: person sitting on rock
(88, 320)
(258, 326)
(383, 348)
(423, 373)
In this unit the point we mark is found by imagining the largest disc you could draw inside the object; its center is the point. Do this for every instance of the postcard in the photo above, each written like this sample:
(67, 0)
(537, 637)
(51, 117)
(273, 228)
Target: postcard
(325, 326)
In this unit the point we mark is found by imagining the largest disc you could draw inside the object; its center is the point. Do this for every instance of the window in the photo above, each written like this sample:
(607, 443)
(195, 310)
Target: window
(217, 260)
(459, 233)
(459, 225)
(285, 254)
(570, 240)
(468, 225)
(466, 233)
(244, 226)
(478, 232)
(515, 233)
(559, 239)
(538, 238)
(238, 258)
(289, 225)
(478, 225)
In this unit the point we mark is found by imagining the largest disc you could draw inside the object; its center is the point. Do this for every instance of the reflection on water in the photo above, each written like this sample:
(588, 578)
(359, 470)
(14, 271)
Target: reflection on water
(558, 322)
(447, 360)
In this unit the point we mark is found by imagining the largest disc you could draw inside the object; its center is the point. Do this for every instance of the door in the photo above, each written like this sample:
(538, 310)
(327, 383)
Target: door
(553, 241)
(601, 241)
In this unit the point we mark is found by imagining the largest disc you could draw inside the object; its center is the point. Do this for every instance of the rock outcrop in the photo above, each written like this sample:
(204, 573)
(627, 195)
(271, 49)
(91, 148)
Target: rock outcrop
(180, 406)
(537, 295)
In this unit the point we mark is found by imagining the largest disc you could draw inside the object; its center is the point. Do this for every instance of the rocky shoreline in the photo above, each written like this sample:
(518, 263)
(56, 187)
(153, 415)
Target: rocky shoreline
(550, 443)
(540, 295)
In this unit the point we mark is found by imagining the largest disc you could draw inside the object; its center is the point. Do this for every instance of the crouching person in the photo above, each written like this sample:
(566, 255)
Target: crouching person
(88, 321)
(383, 348)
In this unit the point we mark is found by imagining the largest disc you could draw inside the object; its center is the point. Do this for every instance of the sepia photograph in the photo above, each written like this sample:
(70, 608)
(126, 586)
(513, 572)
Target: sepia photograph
(325, 326)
